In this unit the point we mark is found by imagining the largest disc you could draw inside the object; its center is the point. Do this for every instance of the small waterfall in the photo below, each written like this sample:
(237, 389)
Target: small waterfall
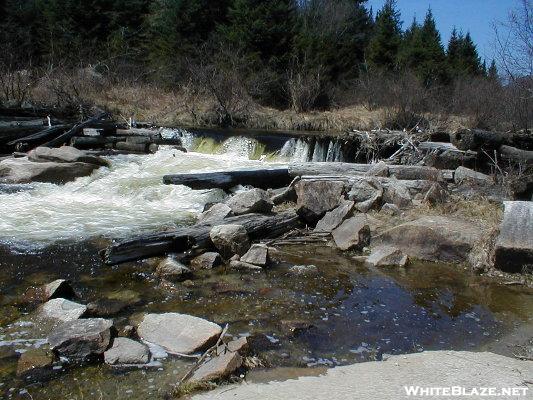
(320, 151)
(334, 151)
(188, 139)
(288, 149)
(243, 147)
(302, 151)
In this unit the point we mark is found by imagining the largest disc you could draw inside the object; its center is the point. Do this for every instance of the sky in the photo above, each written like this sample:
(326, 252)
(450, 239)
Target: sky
(475, 16)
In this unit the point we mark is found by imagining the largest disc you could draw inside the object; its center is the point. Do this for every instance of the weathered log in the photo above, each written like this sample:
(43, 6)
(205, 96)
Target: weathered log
(477, 139)
(258, 227)
(260, 178)
(403, 172)
(92, 142)
(36, 139)
(446, 156)
(137, 147)
(516, 155)
(34, 123)
(414, 185)
(137, 132)
(75, 130)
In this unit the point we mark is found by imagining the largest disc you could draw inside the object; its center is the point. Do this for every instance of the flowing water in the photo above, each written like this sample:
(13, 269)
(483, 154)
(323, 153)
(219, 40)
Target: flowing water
(349, 313)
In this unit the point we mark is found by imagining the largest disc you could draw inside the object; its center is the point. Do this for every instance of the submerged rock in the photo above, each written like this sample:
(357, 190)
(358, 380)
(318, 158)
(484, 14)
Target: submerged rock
(36, 365)
(61, 310)
(217, 212)
(83, 339)
(335, 217)
(316, 197)
(207, 260)
(514, 245)
(303, 269)
(250, 201)
(127, 352)
(434, 238)
(230, 239)
(178, 333)
(352, 234)
(386, 256)
(58, 288)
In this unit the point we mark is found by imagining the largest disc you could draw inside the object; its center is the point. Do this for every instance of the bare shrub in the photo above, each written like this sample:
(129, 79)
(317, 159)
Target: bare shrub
(305, 85)
(15, 84)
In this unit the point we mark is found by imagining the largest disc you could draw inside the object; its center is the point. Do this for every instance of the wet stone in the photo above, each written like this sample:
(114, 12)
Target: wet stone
(218, 368)
(256, 255)
(230, 239)
(207, 260)
(352, 234)
(36, 365)
(303, 269)
(127, 352)
(250, 201)
(61, 310)
(386, 256)
(83, 339)
(217, 212)
(178, 333)
(173, 270)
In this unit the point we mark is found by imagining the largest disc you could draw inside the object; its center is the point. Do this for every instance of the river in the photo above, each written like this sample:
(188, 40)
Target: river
(351, 313)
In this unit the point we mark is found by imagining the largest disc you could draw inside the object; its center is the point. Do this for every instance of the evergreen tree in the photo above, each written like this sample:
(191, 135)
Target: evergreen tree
(263, 29)
(492, 73)
(333, 35)
(384, 46)
(422, 52)
(462, 56)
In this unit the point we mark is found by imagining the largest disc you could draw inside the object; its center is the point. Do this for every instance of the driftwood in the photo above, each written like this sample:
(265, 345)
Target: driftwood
(477, 139)
(402, 172)
(260, 178)
(136, 132)
(258, 227)
(75, 130)
(516, 155)
(31, 141)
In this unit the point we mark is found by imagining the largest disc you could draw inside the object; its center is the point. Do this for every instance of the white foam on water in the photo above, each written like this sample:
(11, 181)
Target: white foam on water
(128, 198)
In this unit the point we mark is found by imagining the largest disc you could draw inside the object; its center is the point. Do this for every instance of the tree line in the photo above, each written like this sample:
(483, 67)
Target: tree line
(286, 53)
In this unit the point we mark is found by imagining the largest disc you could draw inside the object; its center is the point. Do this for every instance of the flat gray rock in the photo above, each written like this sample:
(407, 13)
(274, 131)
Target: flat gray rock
(316, 197)
(207, 260)
(335, 217)
(463, 174)
(352, 234)
(64, 154)
(127, 352)
(172, 269)
(82, 339)
(388, 379)
(397, 193)
(178, 333)
(256, 255)
(217, 368)
(386, 256)
(514, 245)
(61, 310)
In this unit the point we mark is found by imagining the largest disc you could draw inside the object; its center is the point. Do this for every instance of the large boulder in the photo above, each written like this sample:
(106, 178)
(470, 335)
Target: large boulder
(230, 239)
(217, 212)
(83, 339)
(366, 193)
(58, 288)
(434, 238)
(178, 333)
(514, 245)
(65, 154)
(61, 310)
(352, 234)
(334, 218)
(250, 201)
(127, 352)
(22, 170)
(316, 197)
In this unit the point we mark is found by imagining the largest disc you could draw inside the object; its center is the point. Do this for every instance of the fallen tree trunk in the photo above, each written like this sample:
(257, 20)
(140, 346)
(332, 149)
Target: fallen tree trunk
(31, 141)
(477, 139)
(137, 132)
(516, 155)
(34, 123)
(402, 172)
(75, 130)
(260, 178)
(258, 227)
(414, 185)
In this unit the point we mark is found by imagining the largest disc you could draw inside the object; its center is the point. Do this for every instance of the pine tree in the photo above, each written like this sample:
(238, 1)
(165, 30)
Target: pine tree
(462, 56)
(384, 46)
(422, 52)
(492, 73)
(333, 35)
(263, 29)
